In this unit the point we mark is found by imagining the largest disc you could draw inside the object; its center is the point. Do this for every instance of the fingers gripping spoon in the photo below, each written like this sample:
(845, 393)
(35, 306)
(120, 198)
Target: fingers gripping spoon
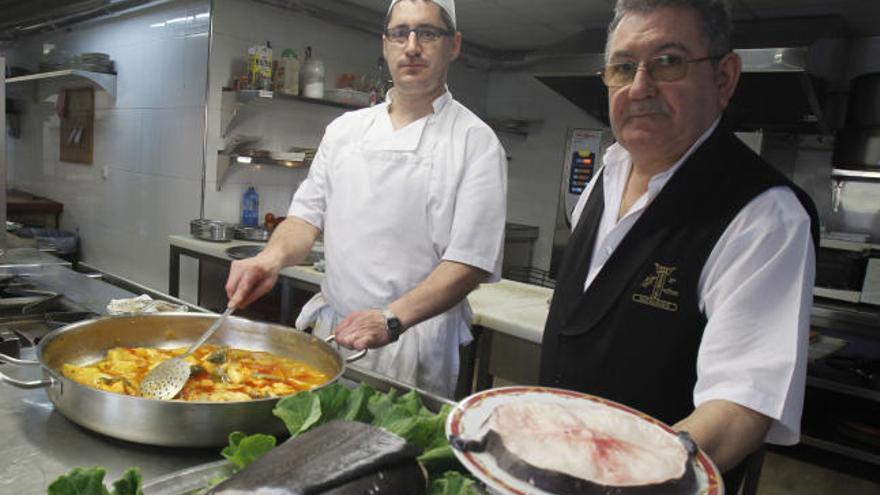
(167, 379)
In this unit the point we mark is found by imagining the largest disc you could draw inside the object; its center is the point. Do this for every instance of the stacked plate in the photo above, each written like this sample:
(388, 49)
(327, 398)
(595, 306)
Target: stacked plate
(94, 62)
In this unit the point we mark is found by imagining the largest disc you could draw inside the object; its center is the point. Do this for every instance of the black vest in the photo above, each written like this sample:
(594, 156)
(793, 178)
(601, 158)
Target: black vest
(633, 336)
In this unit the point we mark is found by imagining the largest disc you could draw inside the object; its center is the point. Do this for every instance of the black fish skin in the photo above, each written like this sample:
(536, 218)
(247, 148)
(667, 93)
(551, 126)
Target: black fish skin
(326, 458)
(404, 478)
(556, 482)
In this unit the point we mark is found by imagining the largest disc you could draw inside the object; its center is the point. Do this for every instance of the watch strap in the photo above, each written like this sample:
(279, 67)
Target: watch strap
(392, 325)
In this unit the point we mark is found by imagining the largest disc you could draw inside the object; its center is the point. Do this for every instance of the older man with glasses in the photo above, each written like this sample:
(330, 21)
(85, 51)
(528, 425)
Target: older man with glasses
(686, 288)
(411, 198)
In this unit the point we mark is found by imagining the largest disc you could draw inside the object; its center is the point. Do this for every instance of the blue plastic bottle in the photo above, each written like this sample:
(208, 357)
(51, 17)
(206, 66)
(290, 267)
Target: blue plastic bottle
(250, 207)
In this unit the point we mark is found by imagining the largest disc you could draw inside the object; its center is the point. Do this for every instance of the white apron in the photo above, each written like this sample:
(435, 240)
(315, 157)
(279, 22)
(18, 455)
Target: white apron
(378, 246)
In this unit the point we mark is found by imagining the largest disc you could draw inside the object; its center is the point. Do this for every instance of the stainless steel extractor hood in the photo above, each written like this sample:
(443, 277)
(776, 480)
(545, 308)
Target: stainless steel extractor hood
(776, 93)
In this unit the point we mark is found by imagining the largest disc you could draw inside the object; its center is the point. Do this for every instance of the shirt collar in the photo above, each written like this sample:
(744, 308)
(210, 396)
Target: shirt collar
(438, 102)
(618, 159)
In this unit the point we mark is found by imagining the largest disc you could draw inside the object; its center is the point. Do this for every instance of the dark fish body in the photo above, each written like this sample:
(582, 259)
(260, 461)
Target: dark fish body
(338, 458)
(585, 450)
(556, 482)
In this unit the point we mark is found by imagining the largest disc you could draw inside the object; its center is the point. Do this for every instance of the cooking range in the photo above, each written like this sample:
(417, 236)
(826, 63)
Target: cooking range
(27, 313)
(37, 295)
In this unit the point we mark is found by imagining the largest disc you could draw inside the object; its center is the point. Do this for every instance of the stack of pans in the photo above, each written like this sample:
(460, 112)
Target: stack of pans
(212, 230)
(251, 233)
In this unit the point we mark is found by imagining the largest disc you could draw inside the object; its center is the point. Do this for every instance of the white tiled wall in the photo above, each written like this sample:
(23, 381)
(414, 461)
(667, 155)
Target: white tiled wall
(535, 168)
(148, 141)
(239, 24)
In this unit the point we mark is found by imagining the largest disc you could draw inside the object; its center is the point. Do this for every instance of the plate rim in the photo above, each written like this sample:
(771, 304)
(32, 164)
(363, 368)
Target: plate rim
(453, 427)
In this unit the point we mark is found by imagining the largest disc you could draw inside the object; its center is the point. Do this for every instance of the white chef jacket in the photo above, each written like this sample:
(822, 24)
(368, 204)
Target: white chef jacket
(755, 289)
(393, 205)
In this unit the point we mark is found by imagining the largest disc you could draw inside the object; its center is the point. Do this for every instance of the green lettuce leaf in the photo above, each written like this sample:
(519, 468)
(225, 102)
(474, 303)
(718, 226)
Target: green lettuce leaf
(129, 484)
(422, 428)
(356, 407)
(299, 412)
(439, 460)
(245, 449)
(81, 481)
(333, 399)
(451, 483)
(379, 404)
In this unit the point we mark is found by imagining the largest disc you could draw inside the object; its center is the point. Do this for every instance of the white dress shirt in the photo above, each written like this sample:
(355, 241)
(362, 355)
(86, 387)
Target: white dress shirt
(755, 289)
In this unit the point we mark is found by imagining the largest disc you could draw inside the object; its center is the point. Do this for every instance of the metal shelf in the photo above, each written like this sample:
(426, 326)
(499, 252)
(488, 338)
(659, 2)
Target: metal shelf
(67, 78)
(856, 174)
(838, 448)
(225, 162)
(847, 245)
(516, 127)
(233, 101)
(846, 320)
(843, 388)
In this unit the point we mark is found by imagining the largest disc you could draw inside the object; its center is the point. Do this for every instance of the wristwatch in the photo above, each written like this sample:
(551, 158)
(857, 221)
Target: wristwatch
(392, 325)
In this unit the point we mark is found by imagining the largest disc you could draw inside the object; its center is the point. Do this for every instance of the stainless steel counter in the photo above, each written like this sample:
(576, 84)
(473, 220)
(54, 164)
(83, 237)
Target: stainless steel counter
(85, 293)
(40, 444)
(26, 258)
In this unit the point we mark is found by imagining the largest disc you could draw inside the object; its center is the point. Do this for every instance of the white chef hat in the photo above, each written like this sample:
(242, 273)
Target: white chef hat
(447, 5)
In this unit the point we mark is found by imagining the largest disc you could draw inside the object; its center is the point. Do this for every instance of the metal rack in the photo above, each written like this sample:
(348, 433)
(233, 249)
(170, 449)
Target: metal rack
(529, 275)
(67, 78)
(855, 323)
(233, 101)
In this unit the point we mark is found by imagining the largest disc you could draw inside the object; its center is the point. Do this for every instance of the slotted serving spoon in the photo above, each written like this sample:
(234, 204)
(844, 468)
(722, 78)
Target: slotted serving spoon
(167, 379)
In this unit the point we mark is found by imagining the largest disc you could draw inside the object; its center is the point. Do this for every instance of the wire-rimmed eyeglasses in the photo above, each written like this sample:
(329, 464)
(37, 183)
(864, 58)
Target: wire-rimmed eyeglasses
(425, 34)
(663, 68)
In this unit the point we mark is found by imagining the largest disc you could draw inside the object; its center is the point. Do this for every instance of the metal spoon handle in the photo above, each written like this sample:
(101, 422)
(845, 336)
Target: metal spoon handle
(210, 331)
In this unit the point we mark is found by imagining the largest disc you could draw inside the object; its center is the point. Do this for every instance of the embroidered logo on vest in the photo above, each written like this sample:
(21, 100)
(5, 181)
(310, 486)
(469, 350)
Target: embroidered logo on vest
(659, 284)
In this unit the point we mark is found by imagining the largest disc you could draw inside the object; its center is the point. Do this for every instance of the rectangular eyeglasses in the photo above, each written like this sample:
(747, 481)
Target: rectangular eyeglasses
(425, 34)
(665, 68)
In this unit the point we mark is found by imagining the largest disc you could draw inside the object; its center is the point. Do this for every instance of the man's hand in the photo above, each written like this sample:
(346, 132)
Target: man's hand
(249, 279)
(362, 330)
(446, 286)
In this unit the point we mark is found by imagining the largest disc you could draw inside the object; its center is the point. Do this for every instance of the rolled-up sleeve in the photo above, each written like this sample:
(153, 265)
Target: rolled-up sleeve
(756, 290)
(477, 234)
(310, 200)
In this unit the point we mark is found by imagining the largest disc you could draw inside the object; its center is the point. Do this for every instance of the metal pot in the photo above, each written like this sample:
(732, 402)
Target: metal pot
(167, 423)
(249, 233)
(211, 230)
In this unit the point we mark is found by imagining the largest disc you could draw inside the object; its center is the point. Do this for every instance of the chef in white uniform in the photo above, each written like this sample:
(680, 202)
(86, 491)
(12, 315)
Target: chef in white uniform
(410, 195)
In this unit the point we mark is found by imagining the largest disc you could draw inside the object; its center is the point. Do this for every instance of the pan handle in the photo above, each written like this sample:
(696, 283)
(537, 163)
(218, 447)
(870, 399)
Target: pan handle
(21, 362)
(25, 384)
(350, 359)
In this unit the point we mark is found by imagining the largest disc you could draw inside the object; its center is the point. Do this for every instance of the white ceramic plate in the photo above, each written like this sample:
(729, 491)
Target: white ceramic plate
(467, 418)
